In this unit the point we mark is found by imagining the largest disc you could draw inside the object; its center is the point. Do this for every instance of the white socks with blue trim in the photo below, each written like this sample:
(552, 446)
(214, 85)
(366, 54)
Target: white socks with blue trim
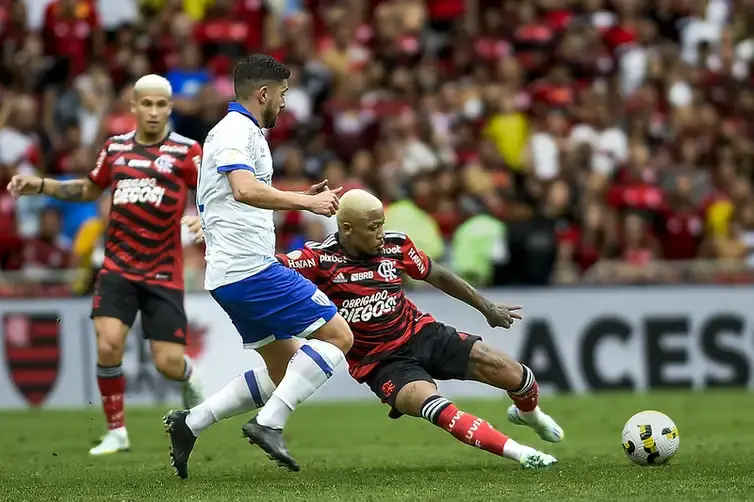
(309, 369)
(244, 393)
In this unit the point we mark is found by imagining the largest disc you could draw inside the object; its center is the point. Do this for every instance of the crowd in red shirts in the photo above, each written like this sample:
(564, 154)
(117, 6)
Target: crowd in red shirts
(598, 131)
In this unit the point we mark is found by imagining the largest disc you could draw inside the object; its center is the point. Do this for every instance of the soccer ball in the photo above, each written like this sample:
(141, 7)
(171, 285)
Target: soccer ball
(650, 438)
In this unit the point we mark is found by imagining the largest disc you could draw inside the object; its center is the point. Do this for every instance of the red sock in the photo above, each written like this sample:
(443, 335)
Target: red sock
(526, 398)
(112, 388)
(469, 429)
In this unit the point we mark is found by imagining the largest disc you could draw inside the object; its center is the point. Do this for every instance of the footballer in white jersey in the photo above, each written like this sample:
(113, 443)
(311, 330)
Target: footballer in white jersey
(240, 239)
(279, 313)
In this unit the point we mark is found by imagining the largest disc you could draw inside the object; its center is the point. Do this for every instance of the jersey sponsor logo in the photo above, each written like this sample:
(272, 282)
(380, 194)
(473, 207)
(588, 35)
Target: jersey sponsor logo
(414, 256)
(295, 254)
(367, 308)
(164, 163)
(340, 279)
(138, 190)
(120, 147)
(386, 270)
(139, 163)
(307, 263)
(330, 258)
(391, 250)
(120, 161)
(362, 276)
(179, 149)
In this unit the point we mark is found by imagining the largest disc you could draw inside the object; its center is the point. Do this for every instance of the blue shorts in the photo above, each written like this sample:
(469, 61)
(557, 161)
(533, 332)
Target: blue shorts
(275, 304)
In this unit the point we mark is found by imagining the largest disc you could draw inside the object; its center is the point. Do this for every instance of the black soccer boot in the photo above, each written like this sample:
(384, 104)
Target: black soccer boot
(181, 441)
(271, 441)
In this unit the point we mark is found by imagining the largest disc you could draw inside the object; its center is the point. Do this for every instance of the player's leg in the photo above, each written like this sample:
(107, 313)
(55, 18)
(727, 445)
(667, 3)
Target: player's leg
(309, 368)
(164, 323)
(114, 308)
(270, 309)
(494, 367)
(409, 389)
(247, 392)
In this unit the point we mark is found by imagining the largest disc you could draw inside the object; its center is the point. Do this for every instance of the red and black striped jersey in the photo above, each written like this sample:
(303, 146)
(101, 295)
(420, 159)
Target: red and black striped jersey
(149, 185)
(368, 293)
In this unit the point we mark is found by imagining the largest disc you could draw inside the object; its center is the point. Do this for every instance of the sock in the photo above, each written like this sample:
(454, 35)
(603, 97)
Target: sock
(526, 397)
(188, 368)
(112, 388)
(309, 369)
(244, 393)
(469, 429)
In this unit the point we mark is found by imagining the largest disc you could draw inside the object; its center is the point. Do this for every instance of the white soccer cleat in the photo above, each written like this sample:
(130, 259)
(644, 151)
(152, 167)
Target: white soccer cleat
(115, 441)
(534, 459)
(191, 391)
(540, 422)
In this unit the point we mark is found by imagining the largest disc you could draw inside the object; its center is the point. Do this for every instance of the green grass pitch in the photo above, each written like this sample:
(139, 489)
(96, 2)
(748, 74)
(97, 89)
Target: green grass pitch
(353, 452)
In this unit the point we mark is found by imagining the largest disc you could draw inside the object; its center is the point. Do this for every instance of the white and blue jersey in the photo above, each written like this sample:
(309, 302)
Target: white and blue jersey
(265, 300)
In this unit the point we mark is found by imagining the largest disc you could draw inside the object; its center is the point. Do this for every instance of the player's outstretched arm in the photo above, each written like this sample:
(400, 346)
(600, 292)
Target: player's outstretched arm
(247, 189)
(452, 285)
(71, 190)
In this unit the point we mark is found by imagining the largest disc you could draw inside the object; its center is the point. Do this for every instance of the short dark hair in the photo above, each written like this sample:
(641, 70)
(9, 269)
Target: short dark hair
(256, 70)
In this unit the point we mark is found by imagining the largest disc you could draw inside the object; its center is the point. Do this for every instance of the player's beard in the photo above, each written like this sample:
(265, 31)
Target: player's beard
(269, 117)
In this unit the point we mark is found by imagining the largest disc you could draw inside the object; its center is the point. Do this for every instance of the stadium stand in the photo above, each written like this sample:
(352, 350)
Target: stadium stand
(524, 142)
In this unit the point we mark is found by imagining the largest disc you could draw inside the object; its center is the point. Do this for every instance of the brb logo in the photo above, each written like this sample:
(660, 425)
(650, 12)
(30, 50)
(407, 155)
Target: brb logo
(386, 270)
(139, 190)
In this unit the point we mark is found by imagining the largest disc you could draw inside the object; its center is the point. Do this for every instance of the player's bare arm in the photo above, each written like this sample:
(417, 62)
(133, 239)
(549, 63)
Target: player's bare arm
(72, 190)
(452, 285)
(247, 189)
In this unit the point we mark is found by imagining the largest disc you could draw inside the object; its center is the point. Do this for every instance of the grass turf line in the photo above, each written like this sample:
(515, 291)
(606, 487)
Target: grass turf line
(354, 452)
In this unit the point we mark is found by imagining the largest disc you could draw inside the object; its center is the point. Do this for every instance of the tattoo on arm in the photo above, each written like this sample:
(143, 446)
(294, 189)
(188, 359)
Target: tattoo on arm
(452, 285)
(70, 191)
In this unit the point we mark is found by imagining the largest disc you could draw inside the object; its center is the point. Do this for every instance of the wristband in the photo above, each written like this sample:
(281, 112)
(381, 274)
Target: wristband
(42, 186)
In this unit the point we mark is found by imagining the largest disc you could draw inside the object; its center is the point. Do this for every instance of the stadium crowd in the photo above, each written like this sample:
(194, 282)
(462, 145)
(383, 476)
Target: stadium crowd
(522, 142)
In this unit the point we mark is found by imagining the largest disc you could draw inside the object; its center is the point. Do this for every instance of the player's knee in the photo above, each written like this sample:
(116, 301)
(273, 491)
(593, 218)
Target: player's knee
(169, 363)
(336, 332)
(493, 366)
(411, 397)
(110, 343)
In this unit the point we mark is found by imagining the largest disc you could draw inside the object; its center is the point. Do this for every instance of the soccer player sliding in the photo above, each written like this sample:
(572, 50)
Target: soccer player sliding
(399, 351)
(149, 171)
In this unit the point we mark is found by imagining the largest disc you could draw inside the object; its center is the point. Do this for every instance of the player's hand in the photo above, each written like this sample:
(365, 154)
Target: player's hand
(23, 184)
(321, 187)
(194, 224)
(324, 203)
(502, 316)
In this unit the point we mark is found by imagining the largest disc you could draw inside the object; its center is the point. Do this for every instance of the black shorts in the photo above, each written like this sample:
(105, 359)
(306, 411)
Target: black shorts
(437, 352)
(163, 317)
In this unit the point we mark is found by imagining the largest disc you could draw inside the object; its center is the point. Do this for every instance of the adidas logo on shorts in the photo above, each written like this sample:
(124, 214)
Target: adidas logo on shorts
(339, 279)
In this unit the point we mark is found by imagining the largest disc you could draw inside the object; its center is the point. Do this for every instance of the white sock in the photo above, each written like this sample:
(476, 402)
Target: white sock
(244, 393)
(309, 369)
(533, 416)
(513, 450)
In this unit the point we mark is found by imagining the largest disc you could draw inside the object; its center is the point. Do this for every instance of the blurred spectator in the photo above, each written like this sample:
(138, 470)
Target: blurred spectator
(88, 251)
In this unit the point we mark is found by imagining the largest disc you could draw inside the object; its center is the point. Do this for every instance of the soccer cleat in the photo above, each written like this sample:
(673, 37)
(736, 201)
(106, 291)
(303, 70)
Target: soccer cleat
(540, 422)
(271, 441)
(115, 441)
(536, 460)
(182, 441)
(191, 391)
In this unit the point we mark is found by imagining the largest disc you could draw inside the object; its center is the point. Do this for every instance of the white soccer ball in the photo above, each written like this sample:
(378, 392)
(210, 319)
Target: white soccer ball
(650, 438)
